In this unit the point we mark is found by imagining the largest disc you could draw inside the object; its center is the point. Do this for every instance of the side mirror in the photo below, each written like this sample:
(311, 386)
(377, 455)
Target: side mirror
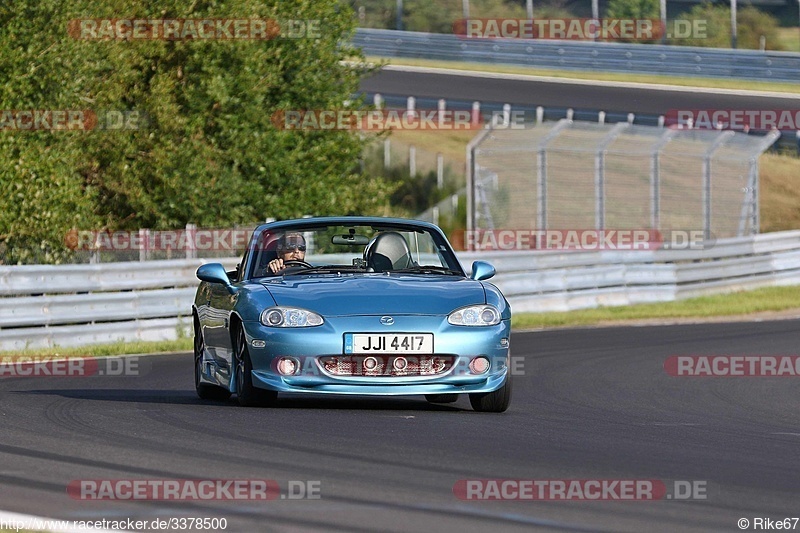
(215, 273)
(482, 270)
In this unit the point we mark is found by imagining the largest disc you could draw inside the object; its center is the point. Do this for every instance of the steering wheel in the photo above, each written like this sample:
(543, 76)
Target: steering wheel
(297, 263)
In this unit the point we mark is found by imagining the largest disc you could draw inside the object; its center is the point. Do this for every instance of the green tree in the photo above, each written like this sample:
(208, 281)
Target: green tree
(634, 9)
(209, 154)
(751, 24)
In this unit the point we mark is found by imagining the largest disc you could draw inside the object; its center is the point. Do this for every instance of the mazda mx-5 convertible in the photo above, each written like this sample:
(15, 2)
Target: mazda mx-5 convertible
(351, 305)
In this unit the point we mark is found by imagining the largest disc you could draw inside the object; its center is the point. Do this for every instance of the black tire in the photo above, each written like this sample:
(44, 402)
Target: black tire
(248, 394)
(493, 402)
(205, 391)
(441, 398)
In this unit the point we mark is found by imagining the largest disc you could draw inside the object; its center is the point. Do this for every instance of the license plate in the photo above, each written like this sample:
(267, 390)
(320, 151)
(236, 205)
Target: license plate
(356, 343)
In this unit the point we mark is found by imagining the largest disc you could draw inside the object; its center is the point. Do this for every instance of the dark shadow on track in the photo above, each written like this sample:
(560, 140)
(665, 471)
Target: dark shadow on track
(171, 397)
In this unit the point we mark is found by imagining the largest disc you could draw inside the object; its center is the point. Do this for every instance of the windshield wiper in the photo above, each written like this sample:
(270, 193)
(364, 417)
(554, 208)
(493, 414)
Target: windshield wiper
(429, 269)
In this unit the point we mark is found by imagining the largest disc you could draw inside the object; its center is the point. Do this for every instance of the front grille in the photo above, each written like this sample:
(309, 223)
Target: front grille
(387, 365)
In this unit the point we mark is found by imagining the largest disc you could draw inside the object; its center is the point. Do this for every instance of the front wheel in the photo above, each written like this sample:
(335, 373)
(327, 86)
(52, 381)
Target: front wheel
(493, 402)
(205, 391)
(248, 394)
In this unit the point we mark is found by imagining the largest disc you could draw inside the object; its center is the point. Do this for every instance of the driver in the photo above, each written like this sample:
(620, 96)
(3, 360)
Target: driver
(291, 247)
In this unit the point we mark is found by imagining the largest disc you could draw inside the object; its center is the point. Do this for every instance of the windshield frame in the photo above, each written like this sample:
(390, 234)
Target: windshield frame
(444, 249)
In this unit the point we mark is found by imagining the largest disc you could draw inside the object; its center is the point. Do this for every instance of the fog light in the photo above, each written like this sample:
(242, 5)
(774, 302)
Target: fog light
(287, 366)
(400, 363)
(370, 363)
(479, 365)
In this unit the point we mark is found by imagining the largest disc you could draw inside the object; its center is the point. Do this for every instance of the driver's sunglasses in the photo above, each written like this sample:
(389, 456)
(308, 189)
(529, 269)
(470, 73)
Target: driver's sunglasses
(294, 248)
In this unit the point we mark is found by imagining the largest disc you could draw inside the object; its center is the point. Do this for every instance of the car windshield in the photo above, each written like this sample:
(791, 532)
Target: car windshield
(361, 248)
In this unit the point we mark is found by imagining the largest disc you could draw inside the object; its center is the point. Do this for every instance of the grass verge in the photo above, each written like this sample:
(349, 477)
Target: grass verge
(790, 38)
(770, 299)
(686, 81)
(105, 350)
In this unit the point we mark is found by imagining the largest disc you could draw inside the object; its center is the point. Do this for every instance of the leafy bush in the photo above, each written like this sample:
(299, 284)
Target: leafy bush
(751, 24)
(209, 155)
(634, 9)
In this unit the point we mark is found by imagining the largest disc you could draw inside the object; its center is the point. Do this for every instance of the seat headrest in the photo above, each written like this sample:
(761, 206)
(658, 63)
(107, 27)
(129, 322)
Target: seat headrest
(388, 251)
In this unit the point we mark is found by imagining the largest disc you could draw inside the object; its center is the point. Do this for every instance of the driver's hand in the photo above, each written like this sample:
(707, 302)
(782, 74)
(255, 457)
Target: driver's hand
(276, 265)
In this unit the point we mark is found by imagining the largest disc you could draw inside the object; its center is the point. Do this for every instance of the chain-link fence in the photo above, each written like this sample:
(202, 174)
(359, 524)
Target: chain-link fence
(567, 174)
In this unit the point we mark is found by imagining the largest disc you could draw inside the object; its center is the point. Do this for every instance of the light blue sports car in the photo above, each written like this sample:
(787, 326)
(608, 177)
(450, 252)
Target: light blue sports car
(351, 305)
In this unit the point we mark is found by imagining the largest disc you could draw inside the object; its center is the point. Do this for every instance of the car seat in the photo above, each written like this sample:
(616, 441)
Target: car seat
(388, 251)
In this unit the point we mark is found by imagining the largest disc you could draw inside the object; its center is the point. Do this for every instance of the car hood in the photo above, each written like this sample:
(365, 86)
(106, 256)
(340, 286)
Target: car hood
(375, 294)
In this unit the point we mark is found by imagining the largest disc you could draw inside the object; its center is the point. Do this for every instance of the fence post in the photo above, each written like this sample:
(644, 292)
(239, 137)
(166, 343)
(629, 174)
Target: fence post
(655, 179)
(600, 175)
(756, 225)
(476, 118)
(439, 171)
(412, 160)
(472, 173)
(387, 153)
(399, 20)
(144, 240)
(719, 141)
(748, 209)
(541, 173)
(411, 105)
(191, 241)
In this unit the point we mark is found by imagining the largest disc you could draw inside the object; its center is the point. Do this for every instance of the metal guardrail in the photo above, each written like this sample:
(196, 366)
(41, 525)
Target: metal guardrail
(74, 305)
(587, 56)
(60, 279)
(118, 308)
(547, 281)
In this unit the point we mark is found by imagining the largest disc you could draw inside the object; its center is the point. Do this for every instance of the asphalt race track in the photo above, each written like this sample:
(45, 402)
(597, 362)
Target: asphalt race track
(561, 94)
(592, 404)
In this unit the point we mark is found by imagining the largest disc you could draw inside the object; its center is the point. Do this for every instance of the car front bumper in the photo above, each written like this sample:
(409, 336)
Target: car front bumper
(306, 345)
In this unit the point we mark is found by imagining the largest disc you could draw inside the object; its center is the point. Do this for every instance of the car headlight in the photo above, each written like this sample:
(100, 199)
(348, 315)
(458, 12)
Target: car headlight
(290, 317)
(475, 315)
